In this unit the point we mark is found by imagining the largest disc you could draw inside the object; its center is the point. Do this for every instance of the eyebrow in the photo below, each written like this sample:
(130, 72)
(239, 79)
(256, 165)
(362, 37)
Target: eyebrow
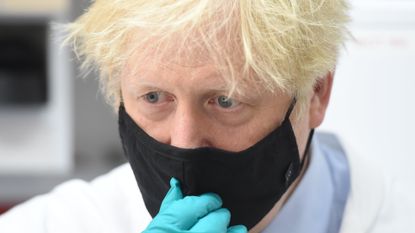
(142, 81)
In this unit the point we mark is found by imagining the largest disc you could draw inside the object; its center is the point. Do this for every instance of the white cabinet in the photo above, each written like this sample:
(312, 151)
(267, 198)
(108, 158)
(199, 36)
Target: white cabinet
(37, 138)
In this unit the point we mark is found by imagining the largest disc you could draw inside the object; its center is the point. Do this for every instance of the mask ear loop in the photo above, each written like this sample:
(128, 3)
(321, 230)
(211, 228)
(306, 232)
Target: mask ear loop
(307, 149)
(290, 109)
(310, 135)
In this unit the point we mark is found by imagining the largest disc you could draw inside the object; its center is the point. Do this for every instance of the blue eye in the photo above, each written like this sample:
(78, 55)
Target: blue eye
(157, 97)
(226, 102)
(152, 97)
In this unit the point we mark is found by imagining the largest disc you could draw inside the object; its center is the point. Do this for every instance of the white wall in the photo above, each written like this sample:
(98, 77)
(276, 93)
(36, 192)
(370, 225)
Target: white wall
(372, 107)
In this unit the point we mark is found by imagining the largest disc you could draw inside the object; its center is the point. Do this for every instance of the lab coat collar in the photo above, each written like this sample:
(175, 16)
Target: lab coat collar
(367, 194)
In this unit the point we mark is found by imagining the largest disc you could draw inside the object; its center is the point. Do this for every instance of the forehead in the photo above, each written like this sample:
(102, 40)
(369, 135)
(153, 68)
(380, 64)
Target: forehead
(202, 74)
(190, 50)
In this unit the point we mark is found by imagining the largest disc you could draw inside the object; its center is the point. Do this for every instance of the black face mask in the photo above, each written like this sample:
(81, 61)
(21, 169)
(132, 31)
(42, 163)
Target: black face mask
(249, 182)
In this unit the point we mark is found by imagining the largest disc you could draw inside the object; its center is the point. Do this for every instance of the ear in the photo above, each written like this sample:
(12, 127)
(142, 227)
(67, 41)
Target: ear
(320, 100)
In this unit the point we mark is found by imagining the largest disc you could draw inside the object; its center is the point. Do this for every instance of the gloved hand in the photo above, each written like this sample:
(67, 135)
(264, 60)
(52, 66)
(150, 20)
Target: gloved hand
(201, 214)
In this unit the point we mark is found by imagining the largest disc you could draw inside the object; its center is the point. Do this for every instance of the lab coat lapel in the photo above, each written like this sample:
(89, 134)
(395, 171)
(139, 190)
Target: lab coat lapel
(366, 198)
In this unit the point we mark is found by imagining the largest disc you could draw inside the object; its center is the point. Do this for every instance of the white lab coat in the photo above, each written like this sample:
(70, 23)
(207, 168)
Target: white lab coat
(112, 204)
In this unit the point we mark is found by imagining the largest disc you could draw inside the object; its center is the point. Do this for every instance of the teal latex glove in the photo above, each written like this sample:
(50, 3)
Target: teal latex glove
(191, 214)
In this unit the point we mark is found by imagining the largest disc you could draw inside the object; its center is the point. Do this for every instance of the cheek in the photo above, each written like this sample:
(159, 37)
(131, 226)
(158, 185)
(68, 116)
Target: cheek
(235, 139)
(243, 137)
(157, 130)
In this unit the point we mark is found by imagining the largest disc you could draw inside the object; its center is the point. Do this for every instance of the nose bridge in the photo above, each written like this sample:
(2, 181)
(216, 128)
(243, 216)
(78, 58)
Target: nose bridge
(187, 130)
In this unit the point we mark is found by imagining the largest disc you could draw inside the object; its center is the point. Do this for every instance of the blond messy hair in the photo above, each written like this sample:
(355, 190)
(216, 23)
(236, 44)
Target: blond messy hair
(276, 44)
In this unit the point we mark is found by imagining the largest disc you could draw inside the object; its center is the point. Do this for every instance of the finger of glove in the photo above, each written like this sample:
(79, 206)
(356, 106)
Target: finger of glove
(174, 194)
(186, 212)
(216, 221)
(237, 229)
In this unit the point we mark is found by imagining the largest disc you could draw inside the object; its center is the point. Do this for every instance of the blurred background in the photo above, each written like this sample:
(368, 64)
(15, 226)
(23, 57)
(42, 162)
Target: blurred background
(54, 125)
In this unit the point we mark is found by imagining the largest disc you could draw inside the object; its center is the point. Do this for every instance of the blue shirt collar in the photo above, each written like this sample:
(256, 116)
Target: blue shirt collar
(317, 204)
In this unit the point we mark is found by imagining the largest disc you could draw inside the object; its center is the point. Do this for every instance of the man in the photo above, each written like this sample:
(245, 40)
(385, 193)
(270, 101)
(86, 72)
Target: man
(217, 104)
